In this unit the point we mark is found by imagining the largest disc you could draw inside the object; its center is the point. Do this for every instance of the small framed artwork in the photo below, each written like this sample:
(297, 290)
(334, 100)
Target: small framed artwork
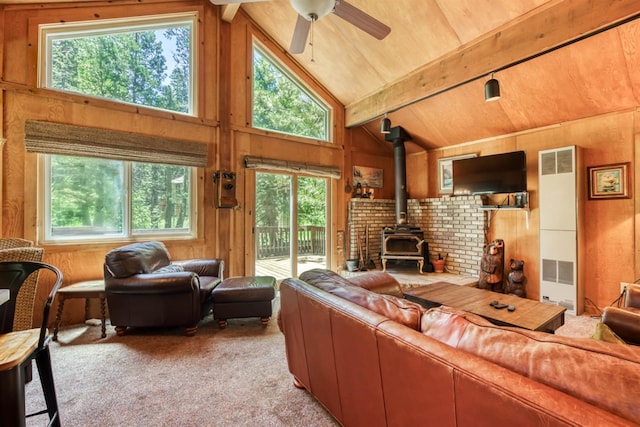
(367, 177)
(445, 172)
(609, 181)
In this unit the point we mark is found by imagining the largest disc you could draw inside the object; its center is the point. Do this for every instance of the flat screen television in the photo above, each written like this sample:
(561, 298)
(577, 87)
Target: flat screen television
(498, 173)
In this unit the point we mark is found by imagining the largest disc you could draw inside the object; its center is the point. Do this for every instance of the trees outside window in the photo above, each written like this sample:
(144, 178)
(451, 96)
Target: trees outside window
(147, 62)
(89, 198)
(290, 224)
(282, 104)
(144, 61)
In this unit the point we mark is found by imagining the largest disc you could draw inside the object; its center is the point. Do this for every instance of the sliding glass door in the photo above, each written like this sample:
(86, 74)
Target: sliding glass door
(290, 224)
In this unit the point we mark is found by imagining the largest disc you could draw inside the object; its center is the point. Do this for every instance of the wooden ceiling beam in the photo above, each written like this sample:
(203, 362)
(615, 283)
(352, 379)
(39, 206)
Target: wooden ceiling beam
(540, 31)
(229, 11)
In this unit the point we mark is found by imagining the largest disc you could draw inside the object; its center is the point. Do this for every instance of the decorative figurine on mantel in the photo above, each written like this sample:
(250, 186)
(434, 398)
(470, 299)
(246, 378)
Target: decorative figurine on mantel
(358, 192)
(492, 266)
(516, 281)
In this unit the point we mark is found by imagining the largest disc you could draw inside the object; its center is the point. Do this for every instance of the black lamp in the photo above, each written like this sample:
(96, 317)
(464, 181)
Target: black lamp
(491, 89)
(385, 124)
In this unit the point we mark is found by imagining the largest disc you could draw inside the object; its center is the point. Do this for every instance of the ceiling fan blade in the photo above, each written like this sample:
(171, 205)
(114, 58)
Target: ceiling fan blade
(300, 34)
(366, 23)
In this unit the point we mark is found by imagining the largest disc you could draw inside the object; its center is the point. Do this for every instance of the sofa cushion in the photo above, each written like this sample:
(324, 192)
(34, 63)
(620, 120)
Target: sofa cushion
(576, 366)
(316, 275)
(171, 268)
(378, 282)
(399, 310)
(137, 258)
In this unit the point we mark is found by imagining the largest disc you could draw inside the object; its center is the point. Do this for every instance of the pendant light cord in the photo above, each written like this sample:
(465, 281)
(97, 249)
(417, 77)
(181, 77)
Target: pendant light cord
(311, 43)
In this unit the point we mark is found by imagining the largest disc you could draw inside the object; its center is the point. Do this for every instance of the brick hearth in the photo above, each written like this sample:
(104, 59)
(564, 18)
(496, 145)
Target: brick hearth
(452, 225)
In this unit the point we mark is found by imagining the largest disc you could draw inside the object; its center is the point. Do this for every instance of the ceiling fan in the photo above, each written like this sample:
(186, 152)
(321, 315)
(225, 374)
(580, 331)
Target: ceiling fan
(310, 11)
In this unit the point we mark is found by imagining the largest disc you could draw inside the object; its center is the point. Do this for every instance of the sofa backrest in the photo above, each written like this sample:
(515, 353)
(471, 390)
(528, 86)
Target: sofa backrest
(316, 275)
(633, 296)
(137, 258)
(379, 282)
(603, 374)
(400, 310)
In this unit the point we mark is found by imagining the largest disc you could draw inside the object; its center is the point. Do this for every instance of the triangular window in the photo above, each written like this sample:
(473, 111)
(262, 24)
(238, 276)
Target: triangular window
(281, 103)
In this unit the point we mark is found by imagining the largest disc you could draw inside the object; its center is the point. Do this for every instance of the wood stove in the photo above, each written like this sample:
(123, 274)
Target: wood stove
(405, 244)
(402, 242)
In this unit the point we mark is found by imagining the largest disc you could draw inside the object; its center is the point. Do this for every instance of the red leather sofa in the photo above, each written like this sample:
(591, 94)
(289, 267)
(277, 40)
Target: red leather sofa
(378, 360)
(144, 288)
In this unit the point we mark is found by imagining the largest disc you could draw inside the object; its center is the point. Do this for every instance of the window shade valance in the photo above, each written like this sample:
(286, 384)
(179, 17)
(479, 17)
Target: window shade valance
(288, 166)
(70, 140)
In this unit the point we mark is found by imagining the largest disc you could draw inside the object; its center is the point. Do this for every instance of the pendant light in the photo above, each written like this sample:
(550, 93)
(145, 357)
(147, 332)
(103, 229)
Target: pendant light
(385, 124)
(491, 89)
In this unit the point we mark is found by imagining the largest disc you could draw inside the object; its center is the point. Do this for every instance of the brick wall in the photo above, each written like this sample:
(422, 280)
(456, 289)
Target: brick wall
(453, 226)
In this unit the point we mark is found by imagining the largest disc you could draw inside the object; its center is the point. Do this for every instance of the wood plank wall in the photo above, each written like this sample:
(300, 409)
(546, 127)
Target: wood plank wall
(223, 122)
(610, 229)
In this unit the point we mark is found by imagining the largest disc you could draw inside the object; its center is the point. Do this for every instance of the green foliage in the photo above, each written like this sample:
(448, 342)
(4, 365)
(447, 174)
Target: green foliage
(88, 196)
(130, 67)
(312, 201)
(273, 200)
(85, 193)
(160, 196)
(282, 105)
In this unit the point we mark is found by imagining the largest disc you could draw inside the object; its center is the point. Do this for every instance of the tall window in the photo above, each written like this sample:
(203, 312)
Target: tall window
(145, 61)
(89, 198)
(282, 104)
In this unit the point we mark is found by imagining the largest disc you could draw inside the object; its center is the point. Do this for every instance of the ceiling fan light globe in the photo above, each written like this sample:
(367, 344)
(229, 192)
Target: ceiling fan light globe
(313, 10)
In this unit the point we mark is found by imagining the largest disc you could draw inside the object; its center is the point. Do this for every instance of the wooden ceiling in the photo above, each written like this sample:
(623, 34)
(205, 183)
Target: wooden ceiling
(556, 60)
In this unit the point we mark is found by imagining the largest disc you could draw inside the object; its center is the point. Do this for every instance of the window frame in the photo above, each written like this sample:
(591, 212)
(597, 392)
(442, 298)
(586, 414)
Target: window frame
(44, 210)
(55, 31)
(300, 83)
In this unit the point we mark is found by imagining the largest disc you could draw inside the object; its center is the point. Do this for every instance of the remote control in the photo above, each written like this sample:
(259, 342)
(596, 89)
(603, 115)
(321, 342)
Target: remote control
(498, 305)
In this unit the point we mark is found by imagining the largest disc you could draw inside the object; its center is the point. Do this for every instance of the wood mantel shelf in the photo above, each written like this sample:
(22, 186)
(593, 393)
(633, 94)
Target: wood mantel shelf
(491, 208)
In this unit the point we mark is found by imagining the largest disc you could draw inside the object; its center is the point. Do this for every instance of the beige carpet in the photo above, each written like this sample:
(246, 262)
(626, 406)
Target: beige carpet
(232, 377)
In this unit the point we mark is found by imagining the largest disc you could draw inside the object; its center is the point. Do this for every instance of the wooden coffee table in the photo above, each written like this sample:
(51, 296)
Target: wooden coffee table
(529, 314)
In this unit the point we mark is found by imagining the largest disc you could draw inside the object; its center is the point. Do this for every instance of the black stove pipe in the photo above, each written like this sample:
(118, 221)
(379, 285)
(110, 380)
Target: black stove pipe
(398, 136)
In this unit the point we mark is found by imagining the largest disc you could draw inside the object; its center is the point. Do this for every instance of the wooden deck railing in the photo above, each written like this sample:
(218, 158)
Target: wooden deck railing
(276, 241)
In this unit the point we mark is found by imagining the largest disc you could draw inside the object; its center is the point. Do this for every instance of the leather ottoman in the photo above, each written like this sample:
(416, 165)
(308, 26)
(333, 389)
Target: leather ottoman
(238, 297)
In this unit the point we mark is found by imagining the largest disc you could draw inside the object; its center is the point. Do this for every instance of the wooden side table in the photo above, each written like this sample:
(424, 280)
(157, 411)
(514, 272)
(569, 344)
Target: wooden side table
(86, 290)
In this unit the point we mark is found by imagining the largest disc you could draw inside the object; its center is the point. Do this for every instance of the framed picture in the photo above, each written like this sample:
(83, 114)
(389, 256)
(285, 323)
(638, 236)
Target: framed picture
(445, 172)
(367, 177)
(609, 181)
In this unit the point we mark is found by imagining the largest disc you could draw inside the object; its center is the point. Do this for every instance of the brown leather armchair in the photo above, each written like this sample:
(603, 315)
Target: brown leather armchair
(144, 288)
(625, 321)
